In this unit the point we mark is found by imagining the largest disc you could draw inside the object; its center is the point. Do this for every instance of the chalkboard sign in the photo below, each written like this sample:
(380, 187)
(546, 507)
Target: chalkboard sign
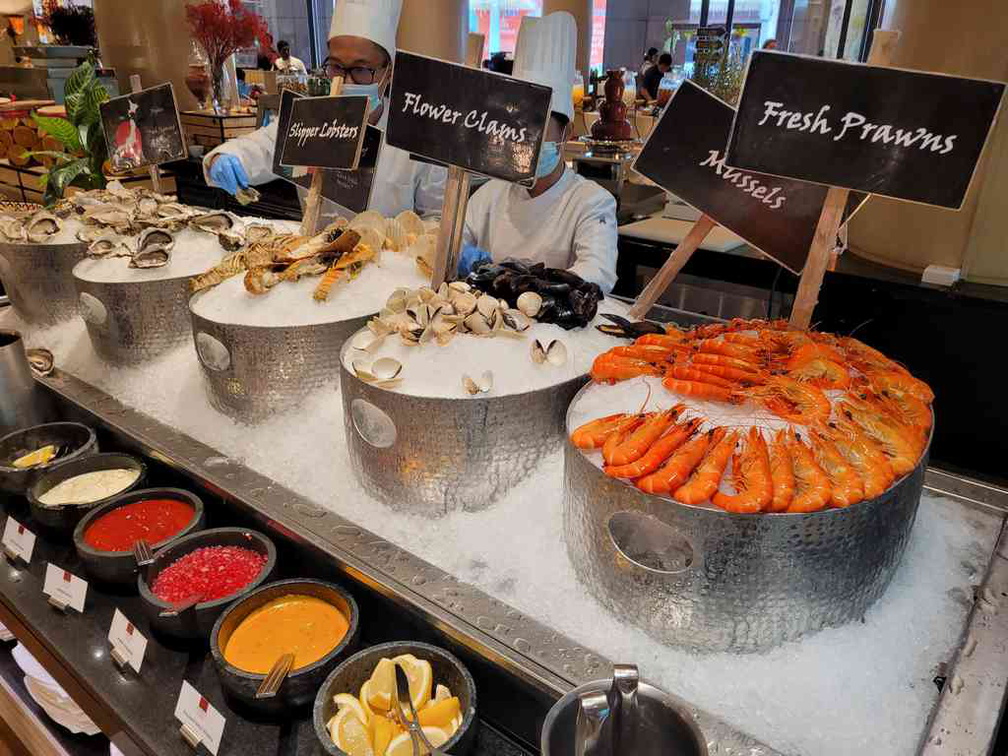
(904, 134)
(143, 129)
(477, 120)
(685, 155)
(352, 189)
(297, 175)
(325, 132)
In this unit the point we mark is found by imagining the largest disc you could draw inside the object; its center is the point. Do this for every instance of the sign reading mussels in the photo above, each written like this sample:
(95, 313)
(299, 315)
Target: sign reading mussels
(325, 132)
(905, 134)
(470, 118)
(685, 156)
(143, 128)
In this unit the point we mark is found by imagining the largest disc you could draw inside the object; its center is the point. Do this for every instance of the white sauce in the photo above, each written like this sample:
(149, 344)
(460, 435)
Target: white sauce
(88, 487)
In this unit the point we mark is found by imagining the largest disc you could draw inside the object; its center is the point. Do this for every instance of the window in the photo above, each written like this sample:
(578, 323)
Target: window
(499, 20)
(288, 21)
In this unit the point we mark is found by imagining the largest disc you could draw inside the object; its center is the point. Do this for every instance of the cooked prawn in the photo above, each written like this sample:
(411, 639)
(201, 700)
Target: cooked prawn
(624, 429)
(655, 456)
(797, 402)
(666, 341)
(593, 434)
(729, 373)
(707, 358)
(846, 484)
(751, 478)
(907, 409)
(640, 439)
(684, 373)
(812, 486)
(864, 454)
(610, 368)
(894, 440)
(859, 352)
(701, 390)
(677, 468)
(897, 380)
(781, 473)
(815, 364)
(705, 478)
(647, 352)
(729, 349)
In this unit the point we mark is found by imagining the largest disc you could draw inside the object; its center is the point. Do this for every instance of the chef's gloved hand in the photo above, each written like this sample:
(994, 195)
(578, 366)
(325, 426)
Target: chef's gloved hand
(228, 173)
(470, 258)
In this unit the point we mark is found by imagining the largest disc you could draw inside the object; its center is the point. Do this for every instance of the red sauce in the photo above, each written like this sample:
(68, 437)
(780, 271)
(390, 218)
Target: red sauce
(152, 520)
(211, 572)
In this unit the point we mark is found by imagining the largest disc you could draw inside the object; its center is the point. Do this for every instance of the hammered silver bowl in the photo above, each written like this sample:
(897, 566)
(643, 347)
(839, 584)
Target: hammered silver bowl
(253, 371)
(38, 279)
(710, 580)
(435, 456)
(130, 322)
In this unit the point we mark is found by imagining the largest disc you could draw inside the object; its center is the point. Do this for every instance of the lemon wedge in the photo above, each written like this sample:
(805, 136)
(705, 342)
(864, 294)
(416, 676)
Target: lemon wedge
(440, 714)
(401, 745)
(350, 734)
(382, 731)
(441, 693)
(381, 686)
(37, 457)
(421, 678)
(346, 702)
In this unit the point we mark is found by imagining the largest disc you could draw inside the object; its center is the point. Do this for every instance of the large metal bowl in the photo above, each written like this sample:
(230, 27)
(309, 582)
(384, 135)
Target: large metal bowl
(38, 278)
(66, 517)
(710, 580)
(434, 456)
(132, 321)
(197, 621)
(349, 676)
(79, 438)
(300, 686)
(120, 567)
(254, 371)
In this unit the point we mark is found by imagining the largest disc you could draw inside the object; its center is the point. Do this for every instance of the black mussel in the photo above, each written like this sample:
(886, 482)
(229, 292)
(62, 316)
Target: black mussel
(627, 329)
(558, 275)
(558, 290)
(584, 302)
(520, 284)
(518, 266)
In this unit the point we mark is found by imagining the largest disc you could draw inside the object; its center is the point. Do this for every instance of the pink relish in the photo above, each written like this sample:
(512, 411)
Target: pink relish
(211, 572)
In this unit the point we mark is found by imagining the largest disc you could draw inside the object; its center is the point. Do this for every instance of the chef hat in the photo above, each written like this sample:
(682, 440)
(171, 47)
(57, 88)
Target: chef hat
(376, 20)
(546, 53)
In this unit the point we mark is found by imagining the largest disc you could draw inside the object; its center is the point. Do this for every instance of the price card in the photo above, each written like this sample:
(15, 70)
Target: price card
(18, 541)
(143, 128)
(201, 722)
(128, 644)
(64, 588)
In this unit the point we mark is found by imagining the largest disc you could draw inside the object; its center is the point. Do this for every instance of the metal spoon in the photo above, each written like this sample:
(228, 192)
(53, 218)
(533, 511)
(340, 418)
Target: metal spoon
(412, 725)
(592, 715)
(623, 698)
(278, 673)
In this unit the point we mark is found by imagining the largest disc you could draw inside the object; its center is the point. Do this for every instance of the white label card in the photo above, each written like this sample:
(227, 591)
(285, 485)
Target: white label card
(195, 712)
(18, 540)
(129, 641)
(65, 587)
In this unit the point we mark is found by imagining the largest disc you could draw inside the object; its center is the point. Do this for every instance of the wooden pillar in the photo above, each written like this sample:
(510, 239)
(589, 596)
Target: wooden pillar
(960, 39)
(438, 28)
(149, 38)
(582, 12)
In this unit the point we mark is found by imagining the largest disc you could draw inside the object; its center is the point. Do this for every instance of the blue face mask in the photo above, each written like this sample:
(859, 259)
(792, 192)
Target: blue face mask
(371, 91)
(549, 159)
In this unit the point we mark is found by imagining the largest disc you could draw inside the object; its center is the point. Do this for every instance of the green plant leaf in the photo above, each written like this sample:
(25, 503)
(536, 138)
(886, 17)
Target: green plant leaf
(60, 178)
(73, 103)
(65, 157)
(81, 77)
(94, 95)
(61, 129)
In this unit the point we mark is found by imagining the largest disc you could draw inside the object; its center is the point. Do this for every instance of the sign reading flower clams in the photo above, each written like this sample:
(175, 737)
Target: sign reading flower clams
(326, 132)
(906, 134)
(473, 119)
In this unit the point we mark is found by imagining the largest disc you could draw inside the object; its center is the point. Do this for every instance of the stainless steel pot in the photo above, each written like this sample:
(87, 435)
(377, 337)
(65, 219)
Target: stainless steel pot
(38, 278)
(435, 456)
(132, 321)
(710, 580)
(22, 403)
(253, 371)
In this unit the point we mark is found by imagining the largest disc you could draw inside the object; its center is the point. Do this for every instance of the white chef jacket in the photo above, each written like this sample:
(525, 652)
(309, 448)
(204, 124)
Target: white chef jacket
(399, 184)
(572, 225)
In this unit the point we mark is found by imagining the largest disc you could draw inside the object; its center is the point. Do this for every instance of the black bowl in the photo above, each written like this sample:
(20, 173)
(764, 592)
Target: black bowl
(298, 690)
(66, 516)
(198, 621)
(349, 676)
(79, 439)
(120, 566)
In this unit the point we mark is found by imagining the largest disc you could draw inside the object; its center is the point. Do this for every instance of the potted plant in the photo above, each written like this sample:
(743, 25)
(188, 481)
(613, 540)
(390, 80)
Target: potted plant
(223, 28)
(80, 133)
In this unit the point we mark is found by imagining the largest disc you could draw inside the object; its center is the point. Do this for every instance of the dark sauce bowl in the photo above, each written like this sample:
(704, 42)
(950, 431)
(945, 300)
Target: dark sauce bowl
(120, 567)
(197, 621)
(78, 441)
(298, 690)
(349, 676)
(65, 517)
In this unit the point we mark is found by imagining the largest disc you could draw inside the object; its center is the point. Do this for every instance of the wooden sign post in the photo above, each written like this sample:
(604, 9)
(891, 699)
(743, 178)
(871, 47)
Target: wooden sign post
(881, 53)
(472, 121)
(313, 205)
(684, 155)
(155, 174)
(910, 135)
(143, 129)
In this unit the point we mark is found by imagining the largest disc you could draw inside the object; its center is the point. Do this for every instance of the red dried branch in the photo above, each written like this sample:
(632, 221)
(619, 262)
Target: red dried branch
(224, 28)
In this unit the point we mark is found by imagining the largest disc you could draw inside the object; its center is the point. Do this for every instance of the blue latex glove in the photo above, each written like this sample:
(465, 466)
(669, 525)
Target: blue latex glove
(228, 173)
(470, 258)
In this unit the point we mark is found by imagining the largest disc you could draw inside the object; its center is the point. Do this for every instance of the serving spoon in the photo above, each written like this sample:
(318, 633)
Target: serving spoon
(416, 732)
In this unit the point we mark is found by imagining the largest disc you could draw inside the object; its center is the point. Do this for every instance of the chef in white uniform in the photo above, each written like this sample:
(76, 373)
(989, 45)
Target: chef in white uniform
(565, 220)
(361, 49)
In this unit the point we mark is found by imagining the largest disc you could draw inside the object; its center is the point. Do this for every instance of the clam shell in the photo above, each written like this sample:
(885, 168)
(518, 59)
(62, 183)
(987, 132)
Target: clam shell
(530, 303)
(386, 368)
(516, 320)
(487, 306)
(538, 352)
(476, 323)
(369, 219)
(396, 238)
(556, 353)
(464, 304)
(372, 237)
(367, 341)
(411, 223)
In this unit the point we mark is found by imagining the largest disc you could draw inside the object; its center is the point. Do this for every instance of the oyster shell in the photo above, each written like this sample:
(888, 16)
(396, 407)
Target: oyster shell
(109, 245)
(154, 256)
(231, 241)
(213, 222)
(41, 361)
(256, 233)
(13, 229)
(41, 226)
(247, 195)
(153, 238)
(116, 189)
(90, 234)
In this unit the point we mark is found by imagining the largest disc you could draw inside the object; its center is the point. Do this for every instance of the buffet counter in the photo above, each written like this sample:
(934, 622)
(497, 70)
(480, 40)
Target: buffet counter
(497, 586)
